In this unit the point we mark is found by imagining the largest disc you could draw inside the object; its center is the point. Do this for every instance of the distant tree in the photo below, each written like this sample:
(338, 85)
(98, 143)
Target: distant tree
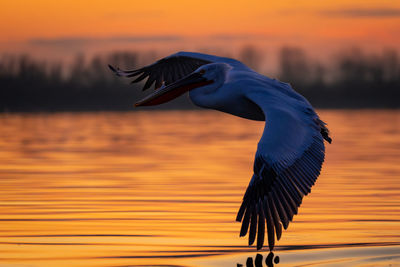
(294, 66)
(250, 56)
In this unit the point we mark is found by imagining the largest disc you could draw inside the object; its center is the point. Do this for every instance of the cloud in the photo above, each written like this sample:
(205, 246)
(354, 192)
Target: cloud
(68, 42)
(363, 12)
(76, 41)
(233, 37)
(147, 14)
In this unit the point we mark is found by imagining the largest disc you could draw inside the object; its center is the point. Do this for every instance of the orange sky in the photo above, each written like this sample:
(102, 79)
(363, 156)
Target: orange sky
(311, 23)
(21, 20)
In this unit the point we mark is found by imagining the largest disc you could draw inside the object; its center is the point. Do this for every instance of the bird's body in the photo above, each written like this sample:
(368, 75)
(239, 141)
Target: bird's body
(291, 150)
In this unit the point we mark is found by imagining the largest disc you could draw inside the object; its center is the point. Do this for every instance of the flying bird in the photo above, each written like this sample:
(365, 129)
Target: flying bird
(290, 152)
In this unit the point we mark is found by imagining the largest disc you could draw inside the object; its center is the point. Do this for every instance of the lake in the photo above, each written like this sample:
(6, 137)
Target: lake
(163, 189)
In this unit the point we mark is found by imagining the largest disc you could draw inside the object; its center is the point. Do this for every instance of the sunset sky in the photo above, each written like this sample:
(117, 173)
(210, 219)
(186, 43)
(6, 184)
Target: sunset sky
(320, 26)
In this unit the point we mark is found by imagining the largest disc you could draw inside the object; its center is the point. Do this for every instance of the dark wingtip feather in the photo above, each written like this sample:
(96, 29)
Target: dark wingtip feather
(270, 225)
(245, 223)
(240, 213)
(278, 228)
(113, 69)
(275, 217)
(140, 78)
(325, 135)
(253, 227)
(324, 131)
(148, 84)
(261, 228)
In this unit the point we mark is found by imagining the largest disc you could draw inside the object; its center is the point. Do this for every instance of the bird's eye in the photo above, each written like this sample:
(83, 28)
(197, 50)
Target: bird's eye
(202, 71)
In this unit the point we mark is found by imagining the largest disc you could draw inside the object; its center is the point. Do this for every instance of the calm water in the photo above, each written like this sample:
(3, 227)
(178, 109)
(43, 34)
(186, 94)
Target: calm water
(163, 188)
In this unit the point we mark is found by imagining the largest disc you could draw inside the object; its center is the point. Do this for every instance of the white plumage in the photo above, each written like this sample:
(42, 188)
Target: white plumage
(291, 150)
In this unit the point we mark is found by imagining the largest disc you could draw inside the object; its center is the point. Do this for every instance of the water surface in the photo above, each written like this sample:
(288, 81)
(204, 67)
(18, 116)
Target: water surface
(163, 188)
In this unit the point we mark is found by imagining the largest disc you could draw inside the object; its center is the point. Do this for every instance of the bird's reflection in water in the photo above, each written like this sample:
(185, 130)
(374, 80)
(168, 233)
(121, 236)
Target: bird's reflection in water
(258, 262)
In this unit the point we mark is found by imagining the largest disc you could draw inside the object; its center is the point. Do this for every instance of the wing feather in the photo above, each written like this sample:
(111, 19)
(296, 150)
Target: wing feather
(288, 161)
(270, 224)
(140, 78)
(275, 216)
(261, 224)
(167, 70)
(246, 221)
(253, 225)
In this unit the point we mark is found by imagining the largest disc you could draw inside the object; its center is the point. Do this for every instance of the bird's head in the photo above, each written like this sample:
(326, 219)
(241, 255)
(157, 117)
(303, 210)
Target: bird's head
(205, 80)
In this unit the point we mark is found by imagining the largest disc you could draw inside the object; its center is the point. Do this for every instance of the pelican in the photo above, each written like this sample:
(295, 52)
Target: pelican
(290, 152)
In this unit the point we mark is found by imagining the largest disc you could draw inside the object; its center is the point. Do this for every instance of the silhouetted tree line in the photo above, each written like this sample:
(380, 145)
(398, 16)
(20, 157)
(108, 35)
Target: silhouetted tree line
(30, 85)
(352, 80)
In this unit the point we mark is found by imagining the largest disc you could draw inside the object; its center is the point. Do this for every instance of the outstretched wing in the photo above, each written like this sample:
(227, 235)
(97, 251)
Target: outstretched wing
(166, 70)
(287, 163)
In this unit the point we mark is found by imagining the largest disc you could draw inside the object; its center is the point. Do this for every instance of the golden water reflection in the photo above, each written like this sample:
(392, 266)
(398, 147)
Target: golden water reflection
(143, 188)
